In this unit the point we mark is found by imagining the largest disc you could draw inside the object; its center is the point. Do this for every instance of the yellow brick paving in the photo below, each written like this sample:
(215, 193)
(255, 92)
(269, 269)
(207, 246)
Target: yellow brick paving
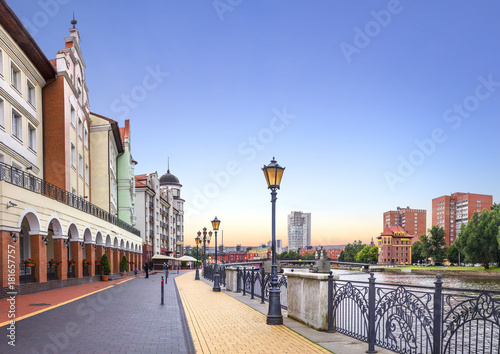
(221, 324)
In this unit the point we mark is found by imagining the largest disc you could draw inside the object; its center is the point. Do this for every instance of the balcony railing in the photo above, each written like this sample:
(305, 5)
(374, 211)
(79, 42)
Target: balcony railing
(22, 179)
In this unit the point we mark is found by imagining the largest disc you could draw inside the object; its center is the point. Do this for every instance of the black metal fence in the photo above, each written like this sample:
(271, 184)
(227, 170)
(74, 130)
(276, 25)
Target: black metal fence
(256, 283)
(26, 274)
(415, 319)
(209, 273)
(51, 272)
(40, 186)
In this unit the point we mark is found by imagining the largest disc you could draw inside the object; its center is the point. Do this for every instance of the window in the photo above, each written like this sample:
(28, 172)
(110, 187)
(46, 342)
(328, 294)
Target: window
(80, 165)
(31, 137)
(87, 174)
(73, 155)
(79, 88)
(86, 138)
(17, 125)
(15, 77)
(73, 116)
(1, 63)
(30, 89)
(2, 113)
(80, 127)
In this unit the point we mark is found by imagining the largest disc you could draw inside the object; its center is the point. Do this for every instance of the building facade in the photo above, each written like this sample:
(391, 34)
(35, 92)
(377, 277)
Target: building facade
(413, 221)
(47, 218)
(170, 183)
(299, 230)
(126, 180)
(105, 147)
(452, 211)
(394, 246)
(332, 252)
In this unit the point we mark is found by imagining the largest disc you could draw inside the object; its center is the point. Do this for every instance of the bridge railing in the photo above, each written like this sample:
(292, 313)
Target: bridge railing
(415, 319)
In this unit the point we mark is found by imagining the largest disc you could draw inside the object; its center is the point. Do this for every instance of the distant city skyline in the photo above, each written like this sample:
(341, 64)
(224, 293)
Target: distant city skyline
(388, 103)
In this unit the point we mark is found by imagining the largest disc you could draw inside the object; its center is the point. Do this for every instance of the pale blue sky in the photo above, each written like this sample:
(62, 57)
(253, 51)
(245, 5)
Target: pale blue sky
(355, 116)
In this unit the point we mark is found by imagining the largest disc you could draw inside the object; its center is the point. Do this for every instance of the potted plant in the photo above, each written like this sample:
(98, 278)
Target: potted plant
(53, 263)
(105, 267)
(30, 262)
(123, 266)
(86, 262)
(71, 262)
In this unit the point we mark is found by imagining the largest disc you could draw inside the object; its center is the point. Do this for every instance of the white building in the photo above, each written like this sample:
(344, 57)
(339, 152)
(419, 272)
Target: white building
(170, 183)
(299, 230)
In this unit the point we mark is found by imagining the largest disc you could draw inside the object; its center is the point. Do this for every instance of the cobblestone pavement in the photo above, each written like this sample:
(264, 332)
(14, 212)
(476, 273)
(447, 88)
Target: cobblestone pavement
(222, 324)
(125, 318)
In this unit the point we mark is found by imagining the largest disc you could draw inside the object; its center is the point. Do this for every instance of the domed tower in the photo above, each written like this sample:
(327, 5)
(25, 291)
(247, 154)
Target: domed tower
(170, 184)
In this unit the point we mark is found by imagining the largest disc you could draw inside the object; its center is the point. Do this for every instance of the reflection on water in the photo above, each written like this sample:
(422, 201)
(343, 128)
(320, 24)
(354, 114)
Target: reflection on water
(422, 280)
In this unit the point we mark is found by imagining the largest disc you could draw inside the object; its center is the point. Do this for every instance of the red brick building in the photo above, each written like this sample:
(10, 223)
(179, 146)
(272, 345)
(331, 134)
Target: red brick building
(332, 252)
(394, 245)
(413, 221)
(451, 211)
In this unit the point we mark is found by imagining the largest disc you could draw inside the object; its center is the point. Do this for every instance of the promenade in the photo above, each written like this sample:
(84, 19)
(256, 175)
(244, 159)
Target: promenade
(125, 316)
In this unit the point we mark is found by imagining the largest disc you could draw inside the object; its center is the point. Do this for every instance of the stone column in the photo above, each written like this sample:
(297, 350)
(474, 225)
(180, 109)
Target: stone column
(90, 253)
(109, 253)
(127, 254)
(9, 256)
(39, 253)
(116, 255)
(77, 255)
(60, 254)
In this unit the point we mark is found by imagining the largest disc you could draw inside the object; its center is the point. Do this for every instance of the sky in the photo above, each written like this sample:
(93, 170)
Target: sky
(369, 105)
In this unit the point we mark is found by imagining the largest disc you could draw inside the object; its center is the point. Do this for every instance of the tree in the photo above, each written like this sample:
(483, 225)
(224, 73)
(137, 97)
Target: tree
(368, 254)
(452, 254)
(479, 240)
(350, 251)
(417, 252)
(434, 243)
(123, 264)
(105, 266)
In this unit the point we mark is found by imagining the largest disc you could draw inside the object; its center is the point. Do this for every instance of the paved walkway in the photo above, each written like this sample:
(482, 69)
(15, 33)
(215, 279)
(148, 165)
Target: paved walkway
(124, 318)
(222, 324)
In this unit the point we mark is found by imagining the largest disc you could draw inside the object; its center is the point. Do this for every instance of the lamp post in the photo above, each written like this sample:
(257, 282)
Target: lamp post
(198, 241)
(215, 226)
(273, 173)
(205, 241)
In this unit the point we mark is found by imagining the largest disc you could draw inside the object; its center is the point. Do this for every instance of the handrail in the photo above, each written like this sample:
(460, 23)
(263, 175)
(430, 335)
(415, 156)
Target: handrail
(22, 179)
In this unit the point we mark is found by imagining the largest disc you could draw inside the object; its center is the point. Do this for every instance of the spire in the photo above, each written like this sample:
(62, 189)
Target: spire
(73, 21)
(168, 165)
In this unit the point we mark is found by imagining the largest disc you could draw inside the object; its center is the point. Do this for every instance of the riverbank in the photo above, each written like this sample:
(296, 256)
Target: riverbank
(450, 271)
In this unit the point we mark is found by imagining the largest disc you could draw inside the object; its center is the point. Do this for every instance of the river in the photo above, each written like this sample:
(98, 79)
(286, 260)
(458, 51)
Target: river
(422, 280)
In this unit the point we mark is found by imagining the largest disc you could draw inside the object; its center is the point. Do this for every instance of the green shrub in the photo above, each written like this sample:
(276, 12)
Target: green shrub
(105, 267)
(123, 264)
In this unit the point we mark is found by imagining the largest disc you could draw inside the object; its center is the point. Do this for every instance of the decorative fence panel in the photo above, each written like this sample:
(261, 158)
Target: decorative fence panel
(416, 319)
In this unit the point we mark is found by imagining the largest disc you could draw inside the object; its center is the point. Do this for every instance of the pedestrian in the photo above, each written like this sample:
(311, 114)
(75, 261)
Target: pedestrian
(136, 271)
(146, 269)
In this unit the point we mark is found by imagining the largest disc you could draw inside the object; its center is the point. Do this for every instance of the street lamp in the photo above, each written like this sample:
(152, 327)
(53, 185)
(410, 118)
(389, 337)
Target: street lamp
(198, 241)
(273, 173)
(205, 241)
(215, 226)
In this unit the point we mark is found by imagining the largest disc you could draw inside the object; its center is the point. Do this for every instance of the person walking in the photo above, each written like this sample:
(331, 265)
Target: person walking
(146, 269)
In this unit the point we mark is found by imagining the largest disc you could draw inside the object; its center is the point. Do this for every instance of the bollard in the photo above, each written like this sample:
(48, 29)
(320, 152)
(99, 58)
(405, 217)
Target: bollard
(162, 289)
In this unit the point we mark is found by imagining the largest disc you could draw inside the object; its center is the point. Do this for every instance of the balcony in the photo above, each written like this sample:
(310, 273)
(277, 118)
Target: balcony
(24, 180)
(151, 233)
(151, 219)
(151, 205)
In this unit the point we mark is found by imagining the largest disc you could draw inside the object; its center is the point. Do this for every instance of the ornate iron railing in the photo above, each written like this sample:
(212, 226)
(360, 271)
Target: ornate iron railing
(257, 283)
(51, 272)
(26, 274)
(209, 273)
(415, 319)
(25, 180)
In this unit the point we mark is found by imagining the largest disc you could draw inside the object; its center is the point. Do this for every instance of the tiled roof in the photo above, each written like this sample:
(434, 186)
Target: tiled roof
(395, 231)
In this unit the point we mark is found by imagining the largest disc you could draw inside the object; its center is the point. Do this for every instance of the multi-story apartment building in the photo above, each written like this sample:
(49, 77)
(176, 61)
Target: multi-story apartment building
(394, 245)
(299, 230)
(49, 218)
(105, 147)
(453, 211)
(332, 252)
(67, 121)
(279, 245)
(126, 181)
(171, 183)
(413, 221)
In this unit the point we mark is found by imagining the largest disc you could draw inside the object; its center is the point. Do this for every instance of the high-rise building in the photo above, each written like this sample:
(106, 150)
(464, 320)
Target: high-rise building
(299, 230)
(453, 211)
(413, 221)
